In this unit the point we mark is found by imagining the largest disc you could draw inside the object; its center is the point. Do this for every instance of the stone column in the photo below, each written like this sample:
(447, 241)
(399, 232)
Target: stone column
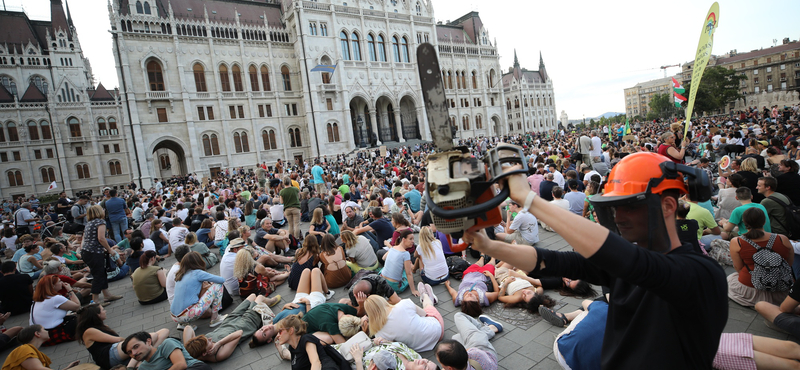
(374, 122)
(399, 125)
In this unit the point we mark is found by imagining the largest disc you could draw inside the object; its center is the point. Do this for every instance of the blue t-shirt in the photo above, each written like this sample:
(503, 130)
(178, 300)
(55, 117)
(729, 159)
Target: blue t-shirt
(736, 217)
(576, 200)
(395, 261)
(317, 172)
(160, 359)
(187, 289)
(116, 209)
(582, 346)
(413, 197)
(383, 230)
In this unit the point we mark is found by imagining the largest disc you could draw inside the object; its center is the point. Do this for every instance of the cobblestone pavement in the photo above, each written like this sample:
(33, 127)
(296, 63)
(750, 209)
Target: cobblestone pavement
(519, 347)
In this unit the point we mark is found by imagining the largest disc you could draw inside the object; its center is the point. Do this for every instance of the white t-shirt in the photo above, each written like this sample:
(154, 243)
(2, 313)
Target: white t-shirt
(588, 175)
(226, 271)
(276, 212)
(171, 281)
(183, 214)
(11, 243)
(559, 179)
(527, 225)
(177, 236)
(563, 203)
(388, 202)
(597, 146)
(405, 325)
(47, 314)
(435, 268)
(148, 245)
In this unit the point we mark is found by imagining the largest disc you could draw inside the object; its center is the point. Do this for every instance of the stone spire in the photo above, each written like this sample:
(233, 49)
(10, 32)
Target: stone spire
(69, 16)
(542, 70)
(516, 60)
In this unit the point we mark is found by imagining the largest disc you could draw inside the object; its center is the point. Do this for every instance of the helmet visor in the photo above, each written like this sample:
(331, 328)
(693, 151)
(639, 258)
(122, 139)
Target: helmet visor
(624, 216)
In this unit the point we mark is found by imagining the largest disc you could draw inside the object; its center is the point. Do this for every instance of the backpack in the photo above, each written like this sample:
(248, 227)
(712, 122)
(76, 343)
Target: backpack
(255, 284)
(793, 213)
(771, 272)
(456, 266)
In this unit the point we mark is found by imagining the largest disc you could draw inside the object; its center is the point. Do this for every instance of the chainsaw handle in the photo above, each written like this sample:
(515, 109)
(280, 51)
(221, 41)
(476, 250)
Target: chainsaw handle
(469, 212)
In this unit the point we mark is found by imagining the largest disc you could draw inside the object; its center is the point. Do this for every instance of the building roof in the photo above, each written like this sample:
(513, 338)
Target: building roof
(5, 96)
(471, 24)
(33, 94)
(518, 73)
(58, 18)
(100, 94)
(17, 31)
(452, 34)
(252, 12)
(759, 53)
(656, 82)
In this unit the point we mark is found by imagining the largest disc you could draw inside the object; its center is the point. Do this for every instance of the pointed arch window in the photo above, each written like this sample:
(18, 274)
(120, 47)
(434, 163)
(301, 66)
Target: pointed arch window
(356, 46)
(373, 56)
(333, 132)
(237, 142)
(46, 133)
(139, 8)
(450, 79)
(15, 178)
(265, 78)
(404, 45)
(214, 144)
(33, 130)
(396, 49)
(199, 77)
(287, 82)
(114, 167)
(253, 78)
(40, 83)
(458, 80)
(381, 48)
(224, 80)
(465, 123)
(48, 175)
(345, 45)
(206, 145)
(83, 171)
(74, 127)
(295, 139)
(112, 126)
(474, 80)
(237, 78)
(146, 8)
(101, 126)
(155, 76)
(268, 137)
(13, 136)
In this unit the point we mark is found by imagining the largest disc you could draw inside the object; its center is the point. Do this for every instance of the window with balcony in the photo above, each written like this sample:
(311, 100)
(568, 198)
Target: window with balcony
(287, 81)
(155, 76)
(74, 127)
(199, 77)
(101, 127)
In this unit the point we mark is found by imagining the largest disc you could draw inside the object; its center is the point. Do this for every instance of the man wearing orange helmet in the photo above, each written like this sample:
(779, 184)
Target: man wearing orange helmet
(668, 304)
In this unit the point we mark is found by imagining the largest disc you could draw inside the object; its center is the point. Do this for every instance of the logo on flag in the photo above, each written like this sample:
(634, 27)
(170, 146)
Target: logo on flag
(52, 186)
(324, 68)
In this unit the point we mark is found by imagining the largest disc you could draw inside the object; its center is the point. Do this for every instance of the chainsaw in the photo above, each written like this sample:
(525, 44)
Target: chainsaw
(459, 186)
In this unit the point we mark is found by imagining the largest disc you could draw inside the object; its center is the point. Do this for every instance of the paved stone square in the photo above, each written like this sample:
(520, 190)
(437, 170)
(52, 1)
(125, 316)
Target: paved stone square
(517, 348)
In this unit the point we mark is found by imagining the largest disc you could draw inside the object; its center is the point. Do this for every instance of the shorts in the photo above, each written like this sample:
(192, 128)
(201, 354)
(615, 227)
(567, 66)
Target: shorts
(4, 340)
(400, 286)
(789, 323)
(113, 355)
(481, 269)
(431, 311)
(517, 237)
(314, 298)
(735, 352)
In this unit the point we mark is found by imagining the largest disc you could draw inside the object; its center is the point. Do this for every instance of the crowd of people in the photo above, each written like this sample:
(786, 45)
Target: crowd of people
(652, 216)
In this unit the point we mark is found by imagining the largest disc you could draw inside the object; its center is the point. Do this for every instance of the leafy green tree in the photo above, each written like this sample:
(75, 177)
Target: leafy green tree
(591, 122)
(661, 106)
(718, 88)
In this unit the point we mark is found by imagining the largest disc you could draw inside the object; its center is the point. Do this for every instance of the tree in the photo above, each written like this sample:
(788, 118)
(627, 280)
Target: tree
(591, 122)
(661, 106)
(718, 87)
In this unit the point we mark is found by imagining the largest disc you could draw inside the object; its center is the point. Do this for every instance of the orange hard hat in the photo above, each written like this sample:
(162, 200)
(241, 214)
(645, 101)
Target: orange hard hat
(633, 174)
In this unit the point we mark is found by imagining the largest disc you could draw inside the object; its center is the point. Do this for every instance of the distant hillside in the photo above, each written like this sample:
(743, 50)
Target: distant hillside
(608, 115)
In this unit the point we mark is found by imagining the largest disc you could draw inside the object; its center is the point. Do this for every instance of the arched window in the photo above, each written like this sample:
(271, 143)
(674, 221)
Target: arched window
(2, 134)
(14, 178)
(419, 8)
(245, 143)
(214, 144)
(474, 80)
(465, 123)
(373, 55)
(478, 123)
(13, 136)
(396, 49)
(48, 175)
(450, 79)
(46, 133)
(155, 76)
(287, 82)
(237, 142)
(114, 167)
(508, 103)
(345, 45)
(404, 41)
(237, 78)
(224, 80)
(83, 171)
(356, 46)
(146, 7)
(33, 130)
(101, 126)
(199, 77)
(458, 80)
(112, 126)
(268, 137)
(40, 83)
(333, 132)
(381, 48)
(74, 127)
(9, 83)
(463, 79)
(165, 163)
(296, 140)
(265, 78)
(139, 8)
(253, 78)
(206, 145)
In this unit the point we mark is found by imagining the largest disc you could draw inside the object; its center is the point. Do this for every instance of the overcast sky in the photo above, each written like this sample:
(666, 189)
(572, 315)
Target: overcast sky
(592, 49)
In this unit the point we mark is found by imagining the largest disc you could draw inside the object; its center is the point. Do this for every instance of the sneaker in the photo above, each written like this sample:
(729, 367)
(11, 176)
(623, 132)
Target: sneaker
(431, 294)
(329, 295)
(422, 292)
(219, 320)
(489, 321)
(553, 317)
(276, 300)
(183, 326)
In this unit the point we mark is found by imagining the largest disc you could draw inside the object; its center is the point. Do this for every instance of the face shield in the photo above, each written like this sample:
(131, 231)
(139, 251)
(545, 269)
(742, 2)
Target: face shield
(622, 215)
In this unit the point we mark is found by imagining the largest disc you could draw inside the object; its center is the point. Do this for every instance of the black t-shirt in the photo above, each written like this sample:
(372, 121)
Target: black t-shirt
(63, 206)
(751, 181)
(795, 291)
(667, 310)
(687, 233)
(15, 293)
(789, 185)
(379, 287)
(300, 359)
(383, 229)
(546, 190)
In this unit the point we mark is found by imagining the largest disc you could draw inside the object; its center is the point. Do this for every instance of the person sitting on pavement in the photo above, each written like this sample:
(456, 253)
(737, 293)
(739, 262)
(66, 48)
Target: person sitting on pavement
(419, 328)
(319, 225)
(50, 309)
(210, 257)
(180, 252)
(16, 290)
(28, 356)
(397, 260)
(524, 228)
(431, 260)
(371, 284)
(251, 274)
(306, 258)
(149, 280)
(238, 327)
(470, 347)
(358, 248)
(198, 294)
(334, 259)
(170, 354)
(102, 342)
(8, 334)
(272, 239)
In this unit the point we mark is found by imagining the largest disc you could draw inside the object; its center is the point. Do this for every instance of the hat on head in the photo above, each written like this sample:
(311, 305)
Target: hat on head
(106, 188)
(236, 243)
(384, 360)
(763, 142)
